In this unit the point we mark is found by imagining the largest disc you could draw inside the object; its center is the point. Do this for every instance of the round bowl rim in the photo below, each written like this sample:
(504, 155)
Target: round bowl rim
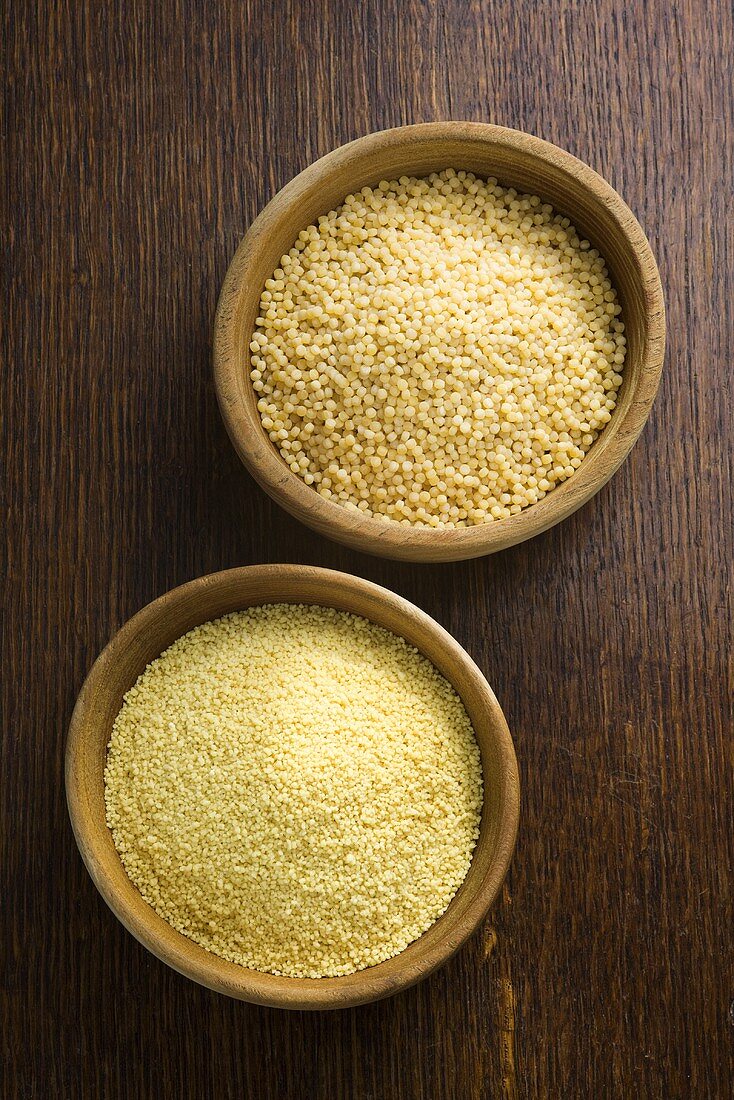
(397, 540)
(183, 954)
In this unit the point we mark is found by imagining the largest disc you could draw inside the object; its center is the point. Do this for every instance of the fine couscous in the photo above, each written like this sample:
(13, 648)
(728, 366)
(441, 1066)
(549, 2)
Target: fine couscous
(296, 789)
(439, 351)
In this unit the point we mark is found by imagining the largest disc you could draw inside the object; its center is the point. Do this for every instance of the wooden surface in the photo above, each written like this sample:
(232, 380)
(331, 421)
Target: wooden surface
(517, 159)
(140, 140)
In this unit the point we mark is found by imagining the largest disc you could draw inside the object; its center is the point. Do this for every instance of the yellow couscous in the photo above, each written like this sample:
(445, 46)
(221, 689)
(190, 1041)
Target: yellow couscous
(295, 789)
(439, 351)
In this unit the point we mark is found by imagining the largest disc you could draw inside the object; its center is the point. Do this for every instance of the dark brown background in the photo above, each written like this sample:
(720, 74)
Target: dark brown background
(141, 139)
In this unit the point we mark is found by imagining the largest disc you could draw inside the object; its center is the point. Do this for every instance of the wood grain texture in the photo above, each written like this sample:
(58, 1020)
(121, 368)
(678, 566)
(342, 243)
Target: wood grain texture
(140, 141)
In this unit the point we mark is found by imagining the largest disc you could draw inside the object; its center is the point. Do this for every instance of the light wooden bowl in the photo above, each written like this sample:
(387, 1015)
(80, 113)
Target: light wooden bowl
(145, 637)
(517, 160)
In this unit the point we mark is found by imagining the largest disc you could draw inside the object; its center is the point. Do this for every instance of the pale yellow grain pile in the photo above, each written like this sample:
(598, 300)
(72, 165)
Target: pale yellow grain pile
(295, 789)
(440, 352)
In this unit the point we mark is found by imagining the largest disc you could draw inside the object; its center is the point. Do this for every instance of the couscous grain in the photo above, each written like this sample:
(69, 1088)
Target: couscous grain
(294, 788)
(439, 351)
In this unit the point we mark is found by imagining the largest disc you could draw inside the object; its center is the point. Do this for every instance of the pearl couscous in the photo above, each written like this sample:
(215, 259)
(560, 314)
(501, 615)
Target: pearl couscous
(295, 789)
(439, 351)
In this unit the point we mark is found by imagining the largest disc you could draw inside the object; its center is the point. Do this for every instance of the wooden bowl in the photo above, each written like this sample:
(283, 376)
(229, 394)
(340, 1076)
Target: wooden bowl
(145, 637)
(517, 160)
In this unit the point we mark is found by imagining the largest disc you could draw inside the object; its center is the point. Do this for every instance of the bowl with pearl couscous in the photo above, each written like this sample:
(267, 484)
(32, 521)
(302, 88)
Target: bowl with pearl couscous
(439, 340)
(292, 786)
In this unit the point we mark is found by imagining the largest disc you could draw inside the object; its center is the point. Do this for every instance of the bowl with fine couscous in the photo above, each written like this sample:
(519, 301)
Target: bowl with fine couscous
(439, 340)
(292, 786)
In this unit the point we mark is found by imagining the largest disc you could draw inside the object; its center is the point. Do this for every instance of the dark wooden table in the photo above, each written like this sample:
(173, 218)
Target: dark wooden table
(140, 140)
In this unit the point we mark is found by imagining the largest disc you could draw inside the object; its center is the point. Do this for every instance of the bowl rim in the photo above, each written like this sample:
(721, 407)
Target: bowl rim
(191, 959)
(389, 538)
